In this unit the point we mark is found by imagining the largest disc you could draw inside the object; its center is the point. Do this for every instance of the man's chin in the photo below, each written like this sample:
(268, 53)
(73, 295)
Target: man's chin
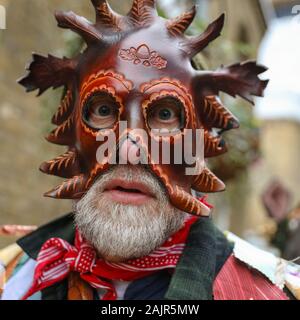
(126, 215)
(122, 232)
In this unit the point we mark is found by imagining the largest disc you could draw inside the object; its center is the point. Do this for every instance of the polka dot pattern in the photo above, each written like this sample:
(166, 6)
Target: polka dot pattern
(58, 258)
(85, 260)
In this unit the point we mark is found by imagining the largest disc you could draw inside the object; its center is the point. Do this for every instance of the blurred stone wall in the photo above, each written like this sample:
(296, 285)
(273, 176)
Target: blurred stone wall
(280, 147)
(25, 119)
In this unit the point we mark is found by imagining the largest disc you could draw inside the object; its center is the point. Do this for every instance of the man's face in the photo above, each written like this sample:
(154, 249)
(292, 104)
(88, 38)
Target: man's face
(129, 91)
(127, 214)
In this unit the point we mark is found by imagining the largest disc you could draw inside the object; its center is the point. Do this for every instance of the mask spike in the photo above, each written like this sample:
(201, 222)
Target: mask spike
(63, 134)
(216, 115)
(65, 166)
(64, 110)
(179, 25)
(142, 12)
(69, 189)
(239, 79)
(188, 203)
(207, 182)
(75, 187)
(213, 146)
(179, 197)
(106, 17)
(194, 45)
(80, 25)
(47, 72)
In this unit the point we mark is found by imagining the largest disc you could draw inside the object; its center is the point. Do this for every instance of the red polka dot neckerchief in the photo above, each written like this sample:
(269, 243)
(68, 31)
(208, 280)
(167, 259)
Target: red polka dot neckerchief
(57, 259)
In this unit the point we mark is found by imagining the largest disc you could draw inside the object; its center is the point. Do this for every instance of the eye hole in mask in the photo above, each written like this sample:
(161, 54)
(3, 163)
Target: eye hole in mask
(101, 111)
(166, 115)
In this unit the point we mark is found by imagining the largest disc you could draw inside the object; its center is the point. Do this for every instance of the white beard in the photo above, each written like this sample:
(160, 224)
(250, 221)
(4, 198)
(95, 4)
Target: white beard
(121, 232)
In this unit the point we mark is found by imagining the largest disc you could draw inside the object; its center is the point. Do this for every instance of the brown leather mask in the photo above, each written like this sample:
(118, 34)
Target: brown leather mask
(137, 68)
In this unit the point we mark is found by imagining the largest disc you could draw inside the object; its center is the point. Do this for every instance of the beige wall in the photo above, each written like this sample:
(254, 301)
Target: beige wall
(280, 146)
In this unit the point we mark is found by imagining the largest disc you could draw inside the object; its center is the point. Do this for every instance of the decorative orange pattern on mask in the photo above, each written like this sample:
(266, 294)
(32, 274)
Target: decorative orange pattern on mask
(165, 86)
(143, 55)
(162, 94)
(112, 92)
(107, 73)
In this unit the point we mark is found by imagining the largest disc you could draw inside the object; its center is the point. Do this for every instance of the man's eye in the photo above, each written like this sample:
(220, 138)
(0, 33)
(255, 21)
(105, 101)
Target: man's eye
(166, 114)
(104, 110)
(101, 111)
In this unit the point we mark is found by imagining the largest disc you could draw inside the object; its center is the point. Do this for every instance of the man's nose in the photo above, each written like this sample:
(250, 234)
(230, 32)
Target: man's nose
(129, 152)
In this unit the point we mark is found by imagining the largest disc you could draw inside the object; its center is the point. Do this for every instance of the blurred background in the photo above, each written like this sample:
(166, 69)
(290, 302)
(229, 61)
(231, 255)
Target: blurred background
(261, 169)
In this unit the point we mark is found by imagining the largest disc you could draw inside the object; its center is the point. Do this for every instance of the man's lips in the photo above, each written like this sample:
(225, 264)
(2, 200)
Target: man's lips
(128, 192)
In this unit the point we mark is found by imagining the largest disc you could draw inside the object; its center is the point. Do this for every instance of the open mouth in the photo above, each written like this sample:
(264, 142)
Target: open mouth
(128, 192)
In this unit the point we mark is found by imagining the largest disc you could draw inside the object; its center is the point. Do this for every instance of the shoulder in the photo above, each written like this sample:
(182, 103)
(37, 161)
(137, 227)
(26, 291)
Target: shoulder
(16, 272)
(253, 274)
(17, 262)
(9, 259)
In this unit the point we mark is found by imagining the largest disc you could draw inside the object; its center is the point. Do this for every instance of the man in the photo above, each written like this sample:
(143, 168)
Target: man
(137, 230)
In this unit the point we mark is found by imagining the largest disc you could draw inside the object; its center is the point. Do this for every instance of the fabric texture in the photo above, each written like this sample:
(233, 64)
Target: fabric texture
(58, 258)
(193, 274)
(237, 282)
(20, 283)
(153, 287)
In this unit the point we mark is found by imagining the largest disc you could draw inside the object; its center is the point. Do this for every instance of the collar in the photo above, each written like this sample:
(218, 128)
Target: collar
(206, 251)
(62, 227)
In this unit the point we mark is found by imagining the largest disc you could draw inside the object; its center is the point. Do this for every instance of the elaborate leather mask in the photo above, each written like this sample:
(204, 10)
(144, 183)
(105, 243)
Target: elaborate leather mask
(137, 68)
